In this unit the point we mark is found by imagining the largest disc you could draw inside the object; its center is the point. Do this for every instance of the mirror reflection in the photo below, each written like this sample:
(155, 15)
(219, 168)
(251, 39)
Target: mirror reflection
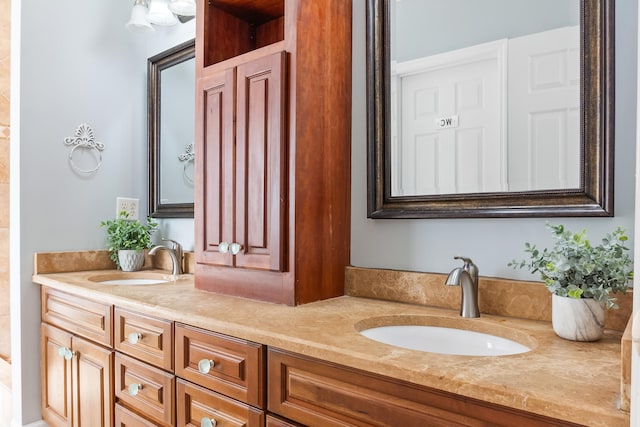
(484, 96)
(171, 131)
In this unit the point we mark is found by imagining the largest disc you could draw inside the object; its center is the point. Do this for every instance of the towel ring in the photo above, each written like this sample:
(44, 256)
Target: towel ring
(84, 138)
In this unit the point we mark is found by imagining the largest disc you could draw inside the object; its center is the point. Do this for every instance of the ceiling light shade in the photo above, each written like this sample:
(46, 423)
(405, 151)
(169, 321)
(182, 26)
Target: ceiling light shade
(160, 14)
(183, 7)
(138, 20)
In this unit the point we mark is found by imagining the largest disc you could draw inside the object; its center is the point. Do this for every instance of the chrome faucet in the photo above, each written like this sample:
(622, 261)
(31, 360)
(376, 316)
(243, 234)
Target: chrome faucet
(467, 277)
(175, 251)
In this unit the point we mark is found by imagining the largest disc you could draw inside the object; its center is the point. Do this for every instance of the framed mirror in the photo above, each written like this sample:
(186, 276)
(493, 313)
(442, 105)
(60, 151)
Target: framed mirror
(171, 121)
(452, 135)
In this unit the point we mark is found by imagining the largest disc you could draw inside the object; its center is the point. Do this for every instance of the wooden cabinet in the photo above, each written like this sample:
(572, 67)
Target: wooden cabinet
(77, 374)
(273, 129)
(318, 393)
(127, 418)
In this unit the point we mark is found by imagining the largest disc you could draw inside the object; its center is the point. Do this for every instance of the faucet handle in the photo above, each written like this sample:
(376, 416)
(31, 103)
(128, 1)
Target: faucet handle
(469, 266)
(176, 245)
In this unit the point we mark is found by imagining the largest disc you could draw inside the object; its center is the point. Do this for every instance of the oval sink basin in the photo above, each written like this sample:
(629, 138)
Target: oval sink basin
(133, 278)
(461, 337)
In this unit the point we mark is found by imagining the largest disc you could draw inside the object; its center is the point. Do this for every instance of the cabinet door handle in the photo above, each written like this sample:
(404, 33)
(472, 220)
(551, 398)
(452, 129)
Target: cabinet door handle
(223, 247)
(208, 422)
(133, 389)
(66, 352)
(235, 248)
(205, 365)
(134, 337)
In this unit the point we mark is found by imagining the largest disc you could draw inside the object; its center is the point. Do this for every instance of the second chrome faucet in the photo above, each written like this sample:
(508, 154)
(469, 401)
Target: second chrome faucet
(175, 252)
(467, 278)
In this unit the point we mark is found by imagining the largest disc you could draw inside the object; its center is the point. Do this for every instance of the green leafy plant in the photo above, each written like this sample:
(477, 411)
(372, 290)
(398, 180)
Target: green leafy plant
(574, 268)
(127, 234)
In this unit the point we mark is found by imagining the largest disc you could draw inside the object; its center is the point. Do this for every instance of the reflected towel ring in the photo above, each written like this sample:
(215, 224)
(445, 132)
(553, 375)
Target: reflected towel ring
(83, 138)
(187, 158)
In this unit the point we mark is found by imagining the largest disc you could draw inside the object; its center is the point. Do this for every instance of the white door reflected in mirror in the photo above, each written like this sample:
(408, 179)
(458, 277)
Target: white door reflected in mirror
(508, 72)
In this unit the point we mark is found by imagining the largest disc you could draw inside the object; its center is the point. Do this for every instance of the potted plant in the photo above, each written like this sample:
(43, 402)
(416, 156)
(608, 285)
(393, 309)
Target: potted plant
(127, 239)
(582, 279)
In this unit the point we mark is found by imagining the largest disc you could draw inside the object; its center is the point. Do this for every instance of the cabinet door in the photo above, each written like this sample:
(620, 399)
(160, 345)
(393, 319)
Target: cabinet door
(56, 377)
(261, 162)
(92, 384)
(215, 168)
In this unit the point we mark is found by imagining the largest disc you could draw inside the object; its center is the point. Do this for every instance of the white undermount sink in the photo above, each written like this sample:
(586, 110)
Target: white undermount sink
(133, 278)
(442, 339)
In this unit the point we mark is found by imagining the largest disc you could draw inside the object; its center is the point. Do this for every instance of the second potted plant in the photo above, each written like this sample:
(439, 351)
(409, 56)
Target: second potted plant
(582, 279)
(127, 239)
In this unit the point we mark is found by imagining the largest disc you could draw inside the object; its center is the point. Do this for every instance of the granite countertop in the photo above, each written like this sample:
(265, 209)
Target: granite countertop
(577, 382)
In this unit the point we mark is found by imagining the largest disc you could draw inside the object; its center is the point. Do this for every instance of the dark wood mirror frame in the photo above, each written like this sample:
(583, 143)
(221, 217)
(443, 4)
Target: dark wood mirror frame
(594, 198)
(155, 65)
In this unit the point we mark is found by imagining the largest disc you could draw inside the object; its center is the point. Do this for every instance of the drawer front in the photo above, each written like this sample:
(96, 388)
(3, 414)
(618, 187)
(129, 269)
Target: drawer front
(273, 421)
(196, 404)
(87, 318)
(144, 337)
(317, 393)
(155, 395)
(238, 368)
(126, 418)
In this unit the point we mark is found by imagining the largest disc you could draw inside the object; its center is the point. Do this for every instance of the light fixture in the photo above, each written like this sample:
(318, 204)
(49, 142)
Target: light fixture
(159, 13)
(183, 7)
(138, 20)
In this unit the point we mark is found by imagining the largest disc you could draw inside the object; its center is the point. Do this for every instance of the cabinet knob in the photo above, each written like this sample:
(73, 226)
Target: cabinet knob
(205, 365)
(223, 247)
(234, 248)
(208, 422)
(134, 337)
(66, 352)
(133, 389)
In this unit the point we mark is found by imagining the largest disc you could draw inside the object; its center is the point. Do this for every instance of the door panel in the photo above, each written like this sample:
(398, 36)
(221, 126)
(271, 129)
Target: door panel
(260, 162)
(92, 378)
(56, 377)
(215, 165)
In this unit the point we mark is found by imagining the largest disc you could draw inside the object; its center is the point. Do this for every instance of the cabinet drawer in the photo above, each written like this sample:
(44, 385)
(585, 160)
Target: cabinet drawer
(144, 337)
(126, 418)
(317, 393)
(155, 397)
(196, 403)
(273, 421)
(238, 368)
(80, 316)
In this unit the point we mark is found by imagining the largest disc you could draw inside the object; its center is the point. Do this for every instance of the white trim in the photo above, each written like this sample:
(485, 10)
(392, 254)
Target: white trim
(39, 423)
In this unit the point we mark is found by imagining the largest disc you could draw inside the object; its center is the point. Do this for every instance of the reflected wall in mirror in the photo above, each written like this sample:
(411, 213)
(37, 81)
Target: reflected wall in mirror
(480, 108)
(171, 103)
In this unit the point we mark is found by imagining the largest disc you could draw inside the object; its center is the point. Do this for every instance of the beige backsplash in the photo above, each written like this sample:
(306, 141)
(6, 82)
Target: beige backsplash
(502, 297)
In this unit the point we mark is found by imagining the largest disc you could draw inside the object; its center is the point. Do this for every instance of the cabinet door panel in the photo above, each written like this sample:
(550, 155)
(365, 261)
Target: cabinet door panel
(260, 163)
(56, 377)
(215, 168)
(92, 379)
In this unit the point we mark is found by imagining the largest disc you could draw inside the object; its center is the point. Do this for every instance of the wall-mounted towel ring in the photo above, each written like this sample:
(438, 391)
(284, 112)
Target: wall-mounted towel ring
(84, 139)
(187, 158)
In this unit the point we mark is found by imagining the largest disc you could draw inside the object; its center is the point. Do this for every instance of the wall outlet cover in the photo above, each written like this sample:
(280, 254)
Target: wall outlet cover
(128, 205)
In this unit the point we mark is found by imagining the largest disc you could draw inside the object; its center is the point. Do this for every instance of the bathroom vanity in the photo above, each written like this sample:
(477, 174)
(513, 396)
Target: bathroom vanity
(175, 355)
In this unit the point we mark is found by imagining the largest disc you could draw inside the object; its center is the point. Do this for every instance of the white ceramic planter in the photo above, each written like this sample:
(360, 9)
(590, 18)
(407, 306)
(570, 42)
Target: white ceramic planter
(130, 260)
(577, 319)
